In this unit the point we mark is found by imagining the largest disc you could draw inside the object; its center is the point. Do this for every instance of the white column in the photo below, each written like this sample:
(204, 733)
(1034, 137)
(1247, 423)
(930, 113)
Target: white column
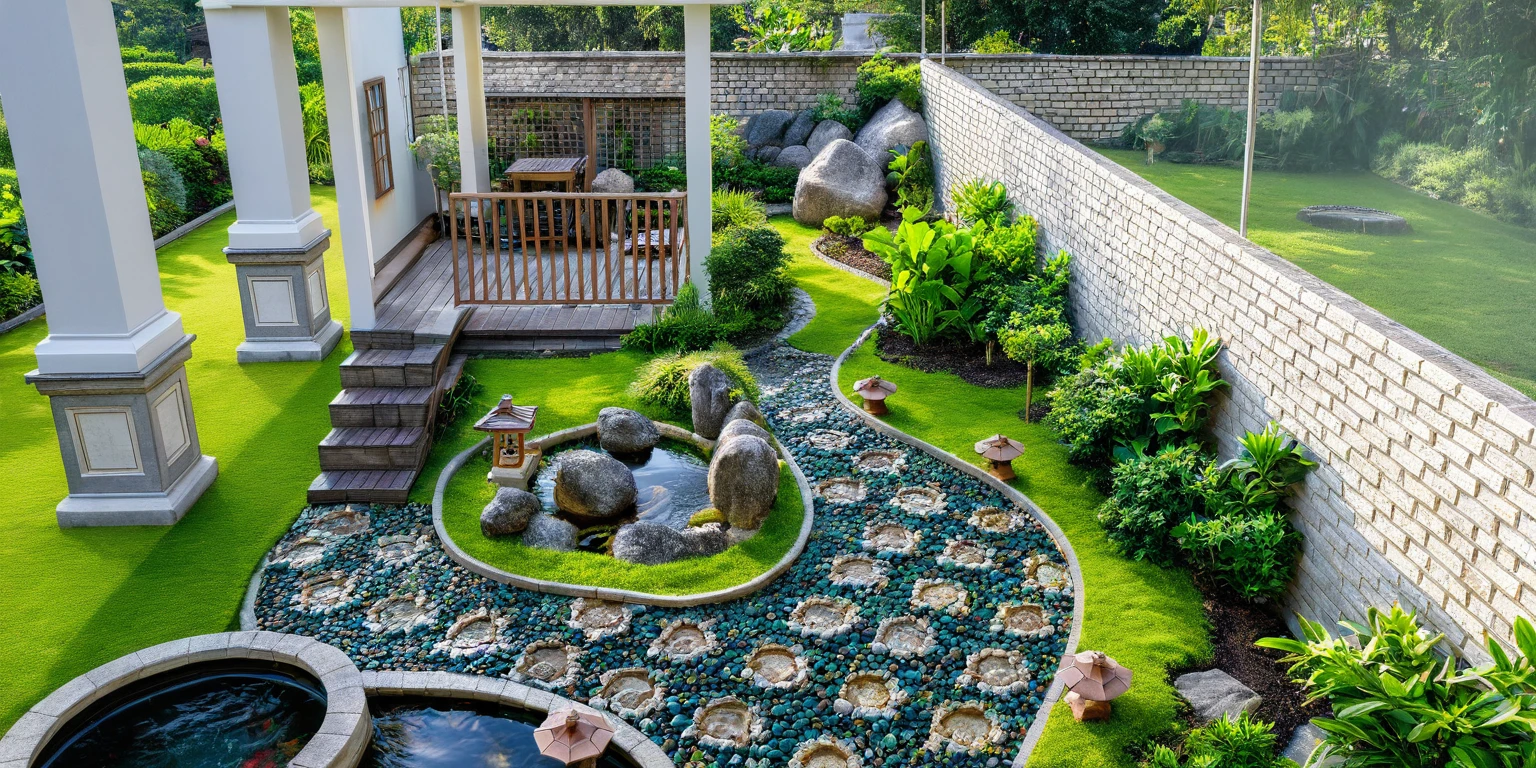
(469, 94)
(67, 108)
(344, 110)
(696, 137)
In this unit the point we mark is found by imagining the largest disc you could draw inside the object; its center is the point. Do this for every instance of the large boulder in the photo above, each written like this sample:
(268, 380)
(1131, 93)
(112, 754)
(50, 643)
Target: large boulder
(550, 532)
(893, 125)
(1214, 694)
(842, 181)
(709, 394)
(620, 430)
(509, 512)
(739, 427)
(706, 540)
(767, 154)
(768, 127)
(797, 156)
(800, 128)
(648, 544)
(612, 181)
(744, 480)
(591, 484)
(827, 131)
(746, 410)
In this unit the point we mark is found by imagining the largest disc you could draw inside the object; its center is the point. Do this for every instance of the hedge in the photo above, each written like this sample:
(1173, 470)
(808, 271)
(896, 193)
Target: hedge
(162, 99)
(138, 53)
(137, 72)
(7, 159)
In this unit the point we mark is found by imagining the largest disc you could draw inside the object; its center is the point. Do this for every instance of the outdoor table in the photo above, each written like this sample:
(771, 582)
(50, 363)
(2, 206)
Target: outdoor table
(565, 171)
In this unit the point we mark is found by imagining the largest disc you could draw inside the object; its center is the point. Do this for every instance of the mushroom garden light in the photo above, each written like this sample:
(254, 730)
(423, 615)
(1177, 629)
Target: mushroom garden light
(573, 738)
(1000, 451)
(512, 464)
(874, 390)
(1092, 680)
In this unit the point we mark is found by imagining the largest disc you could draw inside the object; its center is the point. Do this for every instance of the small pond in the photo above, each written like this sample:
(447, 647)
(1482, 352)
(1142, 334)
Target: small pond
(443, 733)
(225, 716)
(672, 478)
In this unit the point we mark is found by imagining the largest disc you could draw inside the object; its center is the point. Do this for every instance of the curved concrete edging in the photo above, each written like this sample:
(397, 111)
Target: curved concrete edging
(1054, 693)
(849, 268)
(496, 690)
(604, 593)
(340, 742)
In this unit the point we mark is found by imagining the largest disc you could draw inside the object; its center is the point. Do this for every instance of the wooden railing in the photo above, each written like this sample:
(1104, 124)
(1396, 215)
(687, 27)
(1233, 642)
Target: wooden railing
(568, 248)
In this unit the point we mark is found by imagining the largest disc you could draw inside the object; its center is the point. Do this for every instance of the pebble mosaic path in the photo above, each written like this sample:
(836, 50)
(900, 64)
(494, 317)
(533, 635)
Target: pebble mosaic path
(921, 626)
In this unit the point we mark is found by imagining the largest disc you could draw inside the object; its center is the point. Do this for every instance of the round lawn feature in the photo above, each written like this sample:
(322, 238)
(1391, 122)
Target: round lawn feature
(1349, 218)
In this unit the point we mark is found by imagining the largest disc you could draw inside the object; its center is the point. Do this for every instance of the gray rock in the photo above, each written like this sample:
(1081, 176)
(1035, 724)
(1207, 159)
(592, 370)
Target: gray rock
(744, 480)
(595, 485)
(620, 430)
(706, 540)
(767, 154)
(827, 131)
(745, 410)
(1303, 741)
(800, 128)
(1215, 694)
(842, 181)
(797, 156)
(768, 127)
(550, 532)
(509, 512)
(649, 544)
(739, 427)
(613, 181)
(892, 126)
(709, 394)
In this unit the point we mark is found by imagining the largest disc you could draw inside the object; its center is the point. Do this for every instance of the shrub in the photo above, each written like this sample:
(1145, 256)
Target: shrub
(1261, 477)
(8, 178)
(663, 382)
(748, 279)
(1253, 555)
(139, 71)
(1151, 496)
(999, 41)
(685, 326)
(851, 226)
(1398, 700)
(1470, 177)
(19, 292)
(7, 156)
(729, 208)
(727, 147)
(437, 149)
(164, 192)
(770, 26)
(1225, 743)
(163, 99)
(978, 201)
(195, 155)
(933, 279)
(1093, 412)
(15, 243)
(671, 173)
(830, 106)
(881, 79)
(138, 53)
(1009, 251)
(773, 184)
(317, 129)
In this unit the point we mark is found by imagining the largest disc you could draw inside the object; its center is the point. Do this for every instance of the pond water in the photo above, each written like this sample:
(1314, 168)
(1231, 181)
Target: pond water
(459, 734)
(235, 718)
(672, 479)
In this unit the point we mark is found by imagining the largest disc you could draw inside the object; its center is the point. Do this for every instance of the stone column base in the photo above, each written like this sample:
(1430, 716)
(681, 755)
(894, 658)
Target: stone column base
(129, 443)
(283, 299)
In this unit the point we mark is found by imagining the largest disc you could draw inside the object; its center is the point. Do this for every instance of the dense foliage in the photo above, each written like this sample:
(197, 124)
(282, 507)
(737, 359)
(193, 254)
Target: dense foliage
(881, 79)
(163, 99)
(1043, 26)
(155, 30)
(978, 201)
(851, 226)
(663, 382)
(686, 326)
(1472, 177)
(910, 175)
(749, 282)
(134, 72)
(933, 276)
(1398, 700)
(1300, 136)
(198, 159)
(7, 159)
(729, 208)
(15, 244)
(770, 26)
(19, 292)
(1152, 494)
(1240, 742)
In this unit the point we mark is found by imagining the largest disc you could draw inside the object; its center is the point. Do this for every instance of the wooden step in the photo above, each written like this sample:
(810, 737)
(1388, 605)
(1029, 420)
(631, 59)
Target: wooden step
(365, 486)
(415, 367)
(382, 407)
(382, 448)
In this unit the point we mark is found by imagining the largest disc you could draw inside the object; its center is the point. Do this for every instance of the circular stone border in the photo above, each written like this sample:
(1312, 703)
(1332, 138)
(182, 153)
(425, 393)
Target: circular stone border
(604, 593)
(630, 741)
(1054, 693)
(1353, 218)
(340, 742)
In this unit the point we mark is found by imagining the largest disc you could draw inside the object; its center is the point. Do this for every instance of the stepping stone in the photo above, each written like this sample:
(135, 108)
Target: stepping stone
(1215, 694)
(1304, 740)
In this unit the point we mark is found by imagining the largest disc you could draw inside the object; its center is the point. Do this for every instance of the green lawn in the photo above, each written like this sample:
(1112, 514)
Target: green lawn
(1461, 278)
(73, 599)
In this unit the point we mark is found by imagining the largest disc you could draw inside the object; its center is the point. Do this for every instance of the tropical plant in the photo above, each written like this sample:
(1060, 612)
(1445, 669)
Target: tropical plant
(663, 382)
(1226, 742)
(1252, 554)
(770, 26)
(932, 274)
(911, 175)
(15, 243)
(317, 131)
(1261, 476)
(1399, 701)
(979, 201)
(729, 208)
(1153, 133)
(1009, 250)
(1152, 494)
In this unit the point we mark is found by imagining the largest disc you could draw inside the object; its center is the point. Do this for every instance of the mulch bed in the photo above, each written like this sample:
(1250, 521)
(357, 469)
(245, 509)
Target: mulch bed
(968, 361)
(850, 251)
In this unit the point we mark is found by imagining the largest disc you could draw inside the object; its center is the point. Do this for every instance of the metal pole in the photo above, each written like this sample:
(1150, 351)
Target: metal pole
(922, 27)
(943, 32)
(1253, 114)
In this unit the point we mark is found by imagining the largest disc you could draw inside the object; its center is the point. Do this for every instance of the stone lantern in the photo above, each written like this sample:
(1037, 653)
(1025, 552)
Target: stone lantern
(512, 463)
(1093, 679)
(573, 738)
(874, 391)
(1000, 451)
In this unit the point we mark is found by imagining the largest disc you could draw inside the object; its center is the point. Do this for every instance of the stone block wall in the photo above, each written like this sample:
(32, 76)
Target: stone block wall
(1426, 490)
(1089, 97)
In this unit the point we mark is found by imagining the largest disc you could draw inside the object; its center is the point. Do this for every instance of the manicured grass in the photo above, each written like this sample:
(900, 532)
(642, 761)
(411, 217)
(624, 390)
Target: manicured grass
(1146, 617)
(468, 493)
(845, 304)
(73, 599)
(1461, 278)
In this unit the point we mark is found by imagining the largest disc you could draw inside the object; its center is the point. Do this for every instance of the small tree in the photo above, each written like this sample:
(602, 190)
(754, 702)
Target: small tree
(1034, 343)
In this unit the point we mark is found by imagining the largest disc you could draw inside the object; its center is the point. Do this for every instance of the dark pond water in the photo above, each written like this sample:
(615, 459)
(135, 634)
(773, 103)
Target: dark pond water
(229, 719)
(673, 483)
(459, 734)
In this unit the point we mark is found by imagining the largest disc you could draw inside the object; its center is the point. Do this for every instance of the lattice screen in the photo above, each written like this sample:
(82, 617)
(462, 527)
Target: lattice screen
(632, 133)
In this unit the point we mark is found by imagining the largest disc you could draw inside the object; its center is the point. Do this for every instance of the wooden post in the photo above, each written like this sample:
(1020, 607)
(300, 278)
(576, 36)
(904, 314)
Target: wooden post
(589, 137)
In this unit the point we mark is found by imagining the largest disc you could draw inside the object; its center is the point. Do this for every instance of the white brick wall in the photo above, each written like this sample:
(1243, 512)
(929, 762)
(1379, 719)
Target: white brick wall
(1425, 491)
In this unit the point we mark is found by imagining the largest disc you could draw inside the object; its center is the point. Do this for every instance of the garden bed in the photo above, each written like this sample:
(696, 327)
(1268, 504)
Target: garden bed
(851, 251)
(964, 359)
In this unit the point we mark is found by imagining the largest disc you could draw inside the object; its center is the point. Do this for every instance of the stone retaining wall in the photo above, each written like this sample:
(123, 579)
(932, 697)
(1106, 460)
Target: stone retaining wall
(1089, 97)
(1426, 492)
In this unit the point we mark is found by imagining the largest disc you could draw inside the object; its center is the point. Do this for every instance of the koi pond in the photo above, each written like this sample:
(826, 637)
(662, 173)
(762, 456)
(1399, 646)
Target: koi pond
(437, 733)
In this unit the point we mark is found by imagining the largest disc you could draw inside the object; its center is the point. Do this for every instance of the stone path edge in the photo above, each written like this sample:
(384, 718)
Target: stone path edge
(513, 694)
(604, 593)
(1054, 693)
(339, 743)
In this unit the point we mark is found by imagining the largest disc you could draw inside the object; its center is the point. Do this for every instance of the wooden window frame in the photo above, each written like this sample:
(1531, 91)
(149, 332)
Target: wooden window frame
(377, 113)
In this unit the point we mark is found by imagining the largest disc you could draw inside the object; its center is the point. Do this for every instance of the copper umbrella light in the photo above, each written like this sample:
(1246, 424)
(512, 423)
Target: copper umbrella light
(1093, 679)
(573, 737)
(1001, 451)
(874, 390)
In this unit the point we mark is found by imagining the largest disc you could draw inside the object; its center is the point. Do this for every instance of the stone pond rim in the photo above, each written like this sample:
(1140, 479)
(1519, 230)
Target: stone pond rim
(1349, 218)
